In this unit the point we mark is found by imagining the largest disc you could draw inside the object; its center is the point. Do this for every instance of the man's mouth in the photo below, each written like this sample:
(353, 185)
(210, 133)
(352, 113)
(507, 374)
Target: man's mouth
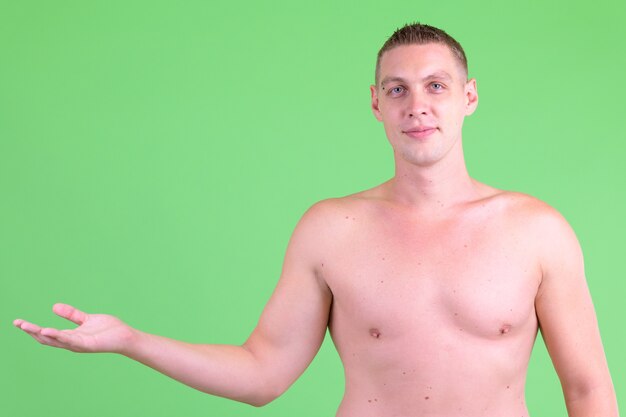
(420, 132)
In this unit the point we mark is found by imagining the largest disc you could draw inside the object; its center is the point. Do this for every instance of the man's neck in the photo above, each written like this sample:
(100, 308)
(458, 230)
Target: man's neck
(432, 188)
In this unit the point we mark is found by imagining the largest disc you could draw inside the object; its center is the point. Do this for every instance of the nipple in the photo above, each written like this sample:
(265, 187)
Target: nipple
(505, 329)
(375, 333)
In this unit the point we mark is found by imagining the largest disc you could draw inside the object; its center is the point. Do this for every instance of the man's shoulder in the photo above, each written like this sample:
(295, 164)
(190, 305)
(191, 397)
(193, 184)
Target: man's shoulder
(332, 218)
(531, 214)
(332, 211)
(326, 225)
(515, 203)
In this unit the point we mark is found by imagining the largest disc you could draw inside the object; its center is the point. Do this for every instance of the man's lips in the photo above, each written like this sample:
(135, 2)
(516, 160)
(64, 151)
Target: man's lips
(420, 132)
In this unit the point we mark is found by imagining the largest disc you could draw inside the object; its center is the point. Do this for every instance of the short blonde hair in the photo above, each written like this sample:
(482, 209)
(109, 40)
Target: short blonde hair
(419, 34)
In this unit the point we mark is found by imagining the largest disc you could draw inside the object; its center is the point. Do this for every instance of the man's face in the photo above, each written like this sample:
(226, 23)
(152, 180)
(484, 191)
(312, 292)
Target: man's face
(422, 98)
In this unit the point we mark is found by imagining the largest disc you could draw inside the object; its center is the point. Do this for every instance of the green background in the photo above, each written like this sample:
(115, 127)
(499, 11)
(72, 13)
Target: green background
(155, 157)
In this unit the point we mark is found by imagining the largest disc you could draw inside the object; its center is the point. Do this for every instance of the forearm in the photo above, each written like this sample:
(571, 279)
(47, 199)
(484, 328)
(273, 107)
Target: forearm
(599, 401)
(223, 370)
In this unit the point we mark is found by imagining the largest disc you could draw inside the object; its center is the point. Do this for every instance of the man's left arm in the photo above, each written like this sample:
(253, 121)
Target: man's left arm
(568, 324)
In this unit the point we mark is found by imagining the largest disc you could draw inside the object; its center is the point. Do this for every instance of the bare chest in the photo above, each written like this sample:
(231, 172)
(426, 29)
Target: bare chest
(404, 280)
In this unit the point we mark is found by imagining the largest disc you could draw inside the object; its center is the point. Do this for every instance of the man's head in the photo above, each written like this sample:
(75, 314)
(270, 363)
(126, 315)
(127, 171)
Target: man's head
(422, 95)
(418, 34)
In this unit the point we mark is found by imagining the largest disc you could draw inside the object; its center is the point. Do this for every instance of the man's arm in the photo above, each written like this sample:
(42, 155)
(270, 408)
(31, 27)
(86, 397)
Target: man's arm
(568, 322)
(287, 337)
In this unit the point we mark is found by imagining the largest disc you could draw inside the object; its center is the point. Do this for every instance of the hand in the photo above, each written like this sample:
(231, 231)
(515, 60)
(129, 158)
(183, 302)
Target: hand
(95, 333)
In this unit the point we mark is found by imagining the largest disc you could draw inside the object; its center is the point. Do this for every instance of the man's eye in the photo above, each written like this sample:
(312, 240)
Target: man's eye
(437, 86)
(396, 90)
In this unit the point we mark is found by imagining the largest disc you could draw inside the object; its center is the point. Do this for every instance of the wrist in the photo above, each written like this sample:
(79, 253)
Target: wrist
(131, 342)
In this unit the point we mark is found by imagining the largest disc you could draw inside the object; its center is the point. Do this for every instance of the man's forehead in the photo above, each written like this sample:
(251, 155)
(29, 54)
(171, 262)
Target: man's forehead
(421, 61)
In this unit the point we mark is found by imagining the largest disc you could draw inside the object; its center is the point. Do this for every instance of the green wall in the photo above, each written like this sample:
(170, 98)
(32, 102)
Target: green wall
(155, 157)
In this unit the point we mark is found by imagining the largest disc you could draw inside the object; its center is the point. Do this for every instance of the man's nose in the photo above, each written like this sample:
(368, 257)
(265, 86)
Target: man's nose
(418, 105)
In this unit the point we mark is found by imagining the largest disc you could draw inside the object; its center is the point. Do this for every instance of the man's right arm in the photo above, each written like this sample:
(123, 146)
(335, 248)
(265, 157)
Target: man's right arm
(287, 337)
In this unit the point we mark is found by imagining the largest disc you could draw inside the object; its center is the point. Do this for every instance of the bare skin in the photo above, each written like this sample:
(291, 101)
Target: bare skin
(433, 285)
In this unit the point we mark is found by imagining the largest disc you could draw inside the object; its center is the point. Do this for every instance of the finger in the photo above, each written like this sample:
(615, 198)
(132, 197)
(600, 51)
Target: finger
(43, 339)
(47, 341)
(18, 322)
(64, 337)
(50, 332)
(29, 327)
(70, 313)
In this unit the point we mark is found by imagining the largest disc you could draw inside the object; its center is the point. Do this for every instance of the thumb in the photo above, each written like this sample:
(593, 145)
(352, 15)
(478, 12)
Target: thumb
(70, 313)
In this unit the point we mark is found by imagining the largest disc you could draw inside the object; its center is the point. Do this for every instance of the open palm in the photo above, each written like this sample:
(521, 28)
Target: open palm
(95, 332)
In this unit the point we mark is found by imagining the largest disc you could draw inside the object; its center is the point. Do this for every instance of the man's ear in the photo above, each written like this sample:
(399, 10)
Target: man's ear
(375, 108)
(471, 97)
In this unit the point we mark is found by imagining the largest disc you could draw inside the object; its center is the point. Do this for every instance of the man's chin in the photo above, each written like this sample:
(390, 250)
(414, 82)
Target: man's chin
(422, 160)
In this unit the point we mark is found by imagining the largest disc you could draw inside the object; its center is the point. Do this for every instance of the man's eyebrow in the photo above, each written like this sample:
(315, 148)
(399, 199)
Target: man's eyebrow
(438, 74)
(435, 75)
(390, 79)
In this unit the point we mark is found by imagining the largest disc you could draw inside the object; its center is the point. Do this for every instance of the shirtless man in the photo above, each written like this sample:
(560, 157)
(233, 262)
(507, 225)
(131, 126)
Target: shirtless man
(432, 284)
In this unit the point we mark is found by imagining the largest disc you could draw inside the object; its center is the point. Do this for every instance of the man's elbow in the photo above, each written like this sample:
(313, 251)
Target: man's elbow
(591, 399)
(588, 387)
(264, 396)
(260, 402)
(268, 381)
